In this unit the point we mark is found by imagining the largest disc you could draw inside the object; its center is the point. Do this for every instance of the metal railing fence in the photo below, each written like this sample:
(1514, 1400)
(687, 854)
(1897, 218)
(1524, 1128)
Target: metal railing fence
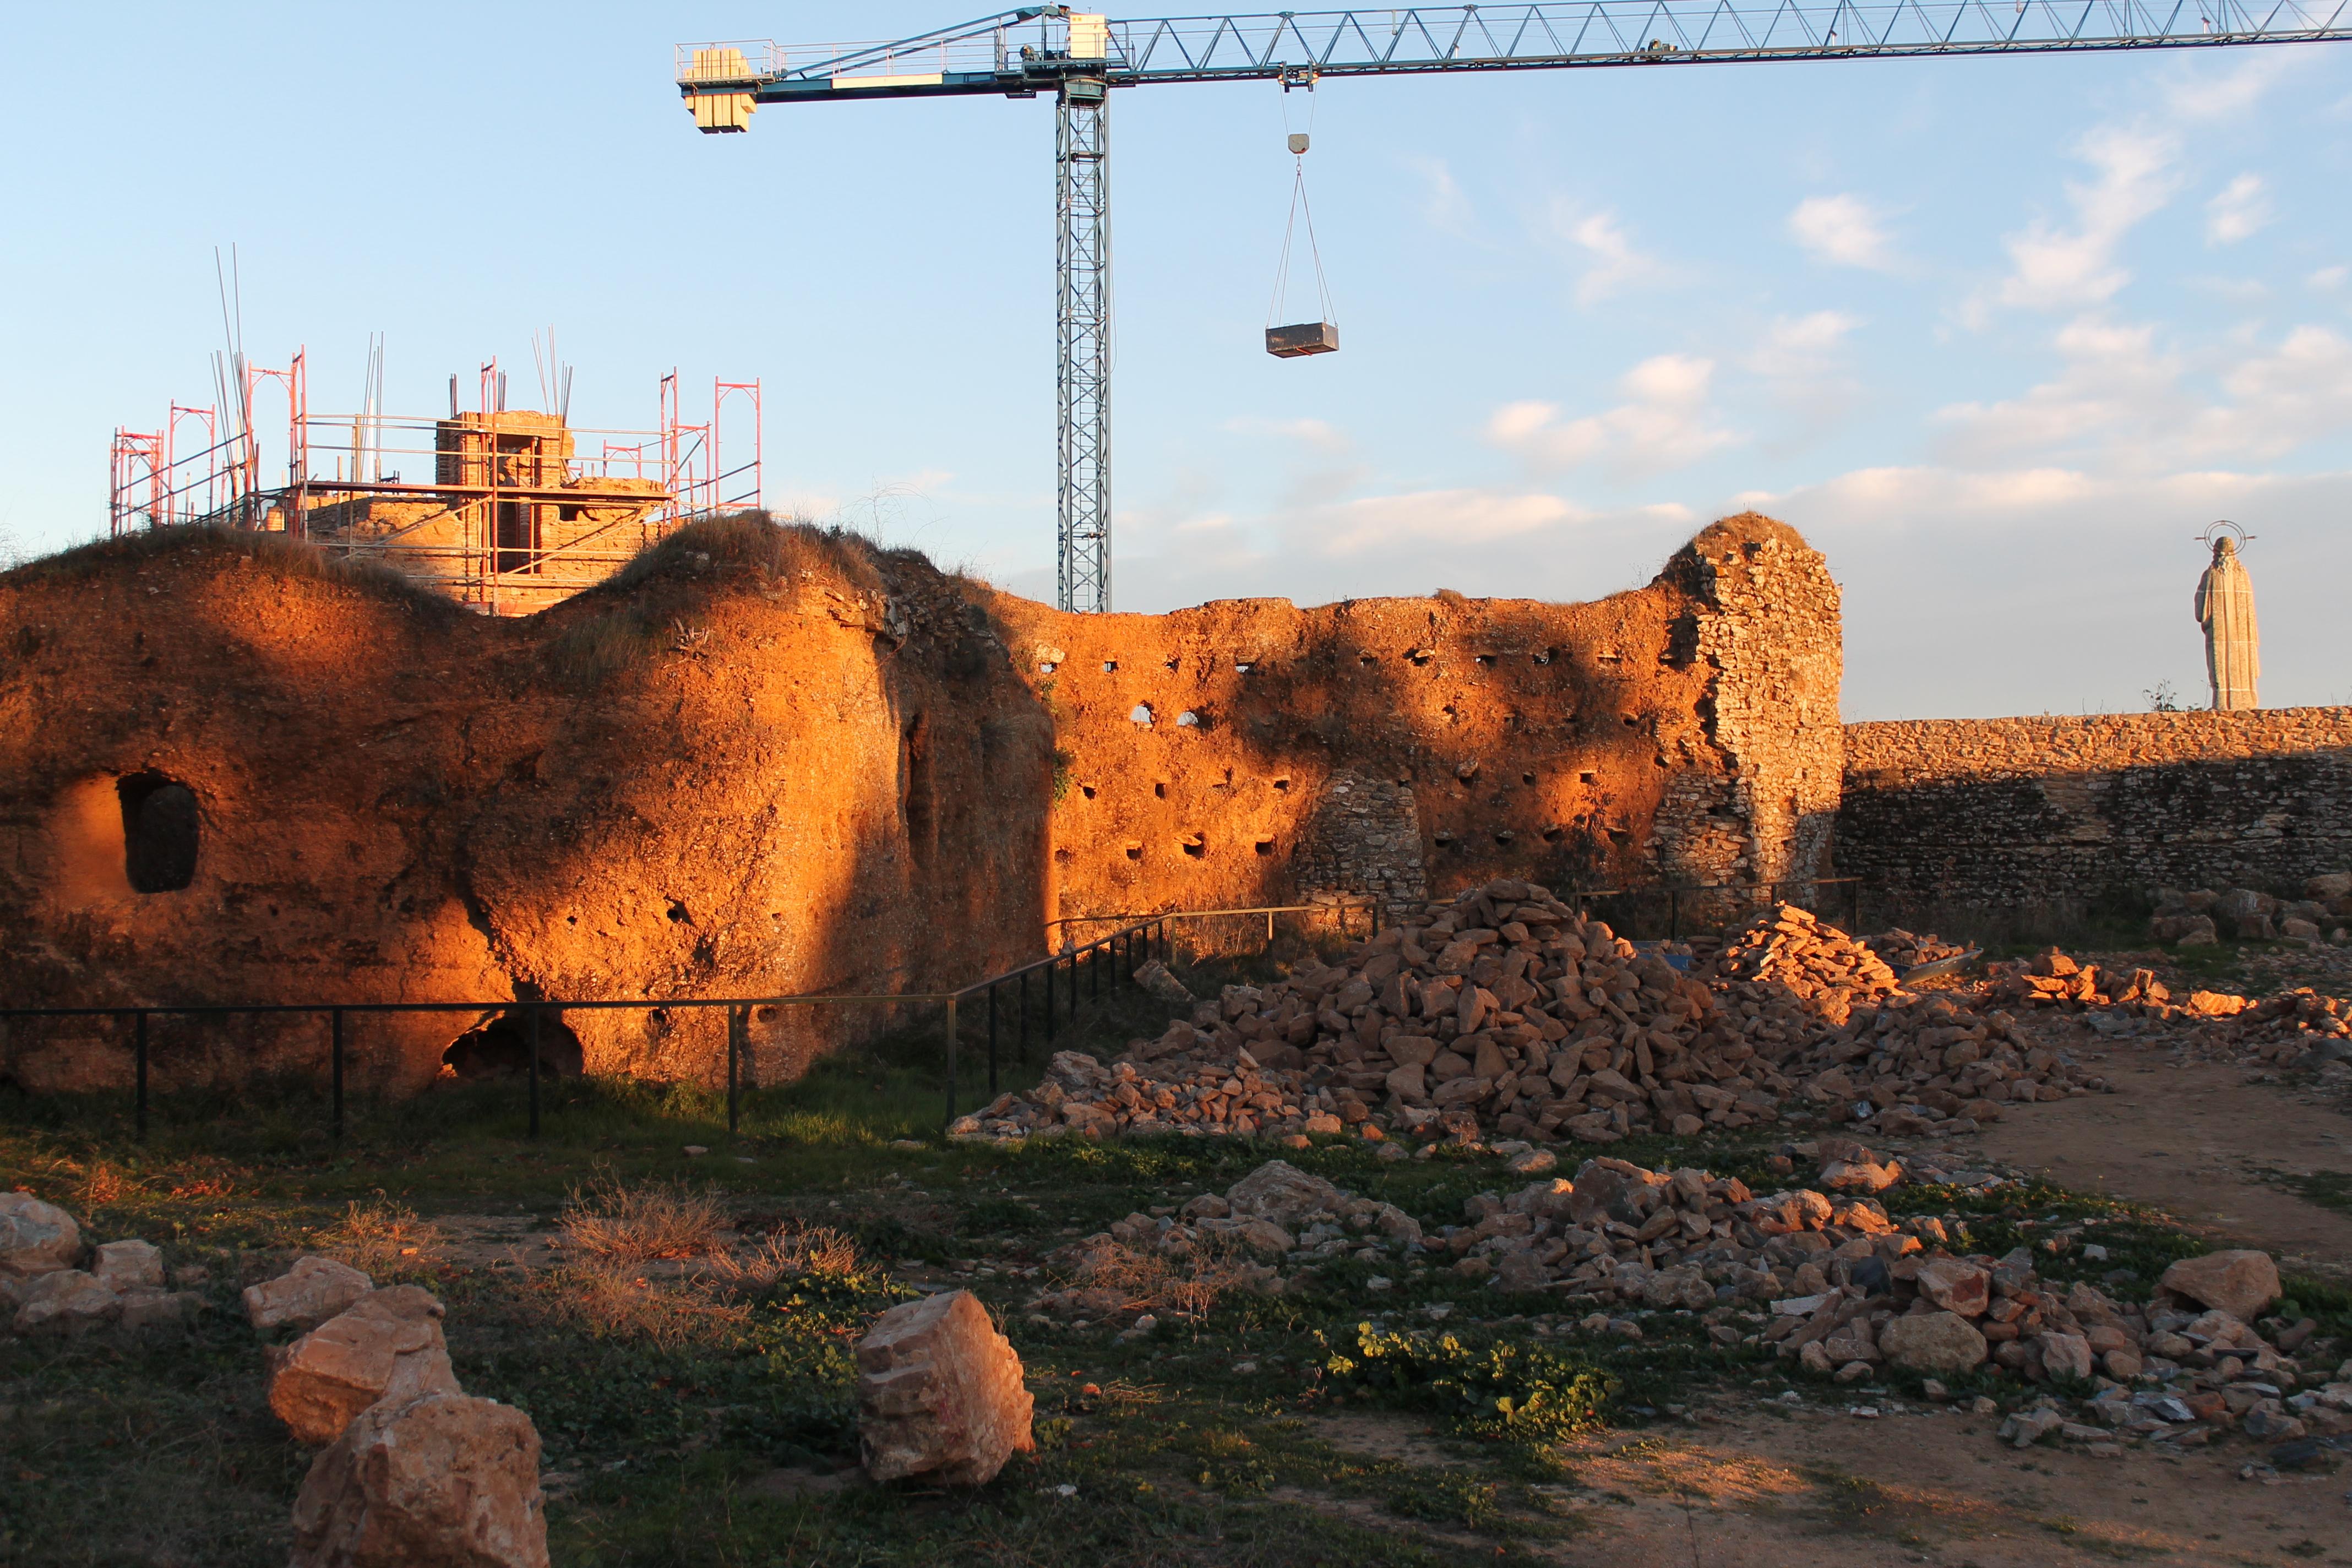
(1041, 995)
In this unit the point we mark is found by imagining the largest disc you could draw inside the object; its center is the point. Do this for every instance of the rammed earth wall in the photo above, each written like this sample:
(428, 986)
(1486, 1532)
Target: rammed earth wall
(2007, 810)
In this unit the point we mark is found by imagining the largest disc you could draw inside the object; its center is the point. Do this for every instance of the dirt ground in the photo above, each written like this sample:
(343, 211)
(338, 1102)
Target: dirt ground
(1751, 1488)
(2202, 1141)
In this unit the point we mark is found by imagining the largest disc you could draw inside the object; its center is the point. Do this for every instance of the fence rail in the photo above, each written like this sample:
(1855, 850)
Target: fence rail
(1113, 958)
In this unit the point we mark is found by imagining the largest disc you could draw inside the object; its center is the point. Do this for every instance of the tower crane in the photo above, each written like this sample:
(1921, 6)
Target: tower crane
(1078, 57)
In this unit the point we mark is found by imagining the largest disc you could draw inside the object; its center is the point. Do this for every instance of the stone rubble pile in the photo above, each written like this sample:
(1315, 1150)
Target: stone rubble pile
(2203, 917)
(1905, 950)
(52, 1285)
(1506, 1013)
(410, 1471)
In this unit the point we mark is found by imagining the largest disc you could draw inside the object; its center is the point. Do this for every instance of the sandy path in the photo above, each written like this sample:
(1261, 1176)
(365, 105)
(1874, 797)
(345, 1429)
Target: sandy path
(2196, 1140)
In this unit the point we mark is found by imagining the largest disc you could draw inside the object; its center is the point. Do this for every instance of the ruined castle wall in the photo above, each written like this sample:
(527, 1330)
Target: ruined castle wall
(2025, 810)
(782, 774)
(768, 761)
(1250, 751)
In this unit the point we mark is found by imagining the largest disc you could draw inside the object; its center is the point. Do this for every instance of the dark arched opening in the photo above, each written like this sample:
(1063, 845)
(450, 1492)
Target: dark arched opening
(500, 1048)
(160, 832)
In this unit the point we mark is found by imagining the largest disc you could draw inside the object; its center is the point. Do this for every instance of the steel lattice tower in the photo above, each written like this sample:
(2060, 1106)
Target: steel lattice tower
(1082, 263)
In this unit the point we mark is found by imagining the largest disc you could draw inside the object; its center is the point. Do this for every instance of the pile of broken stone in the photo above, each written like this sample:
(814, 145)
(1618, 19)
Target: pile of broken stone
(52, 1285)
(1822, 1275)
(2202, 916)
(1505, 1013)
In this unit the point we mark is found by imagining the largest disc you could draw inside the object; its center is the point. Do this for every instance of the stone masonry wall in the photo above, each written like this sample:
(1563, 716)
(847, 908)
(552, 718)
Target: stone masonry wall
(1251, 752)
(2011, 810)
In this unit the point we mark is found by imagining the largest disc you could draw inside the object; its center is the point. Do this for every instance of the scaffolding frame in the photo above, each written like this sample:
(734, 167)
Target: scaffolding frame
(510, 466)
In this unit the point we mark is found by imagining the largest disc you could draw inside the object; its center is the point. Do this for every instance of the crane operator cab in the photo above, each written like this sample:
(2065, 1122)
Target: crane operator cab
(1300, 338)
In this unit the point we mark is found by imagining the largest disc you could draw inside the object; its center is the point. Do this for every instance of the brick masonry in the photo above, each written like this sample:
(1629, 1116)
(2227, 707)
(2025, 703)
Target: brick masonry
(2010, 810)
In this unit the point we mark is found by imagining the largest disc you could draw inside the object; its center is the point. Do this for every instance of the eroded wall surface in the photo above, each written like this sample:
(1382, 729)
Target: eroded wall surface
(1249, 751)
(2022, 810)
(769, 761)
(731, 778)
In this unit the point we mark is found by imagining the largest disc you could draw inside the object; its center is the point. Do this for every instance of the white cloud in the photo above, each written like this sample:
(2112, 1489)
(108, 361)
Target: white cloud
(1799, 347)
(1443, 203)
(1612, 261)
(1665, 421)
(1432, 518)
(2225, 94)
(2242, 210)
(2328, 277)
(1843, 229)
(2135, 408)
(2054, 266)
(1317, 434)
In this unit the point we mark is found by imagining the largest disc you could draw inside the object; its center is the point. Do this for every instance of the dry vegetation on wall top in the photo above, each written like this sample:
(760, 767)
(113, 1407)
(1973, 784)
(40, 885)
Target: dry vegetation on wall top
(767, 759)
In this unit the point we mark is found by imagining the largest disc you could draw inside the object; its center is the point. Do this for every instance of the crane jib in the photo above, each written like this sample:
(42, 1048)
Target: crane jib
(1074, 57)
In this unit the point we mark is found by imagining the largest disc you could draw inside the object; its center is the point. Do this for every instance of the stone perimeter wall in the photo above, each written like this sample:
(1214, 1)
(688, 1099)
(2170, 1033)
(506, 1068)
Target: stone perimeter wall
(2026, 810)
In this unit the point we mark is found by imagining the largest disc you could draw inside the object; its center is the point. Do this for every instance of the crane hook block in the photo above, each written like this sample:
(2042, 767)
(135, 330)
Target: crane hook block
(1305, 338)
(1298, 141)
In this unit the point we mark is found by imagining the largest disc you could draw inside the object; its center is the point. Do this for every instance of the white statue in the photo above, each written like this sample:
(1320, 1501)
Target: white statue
(2225, 608)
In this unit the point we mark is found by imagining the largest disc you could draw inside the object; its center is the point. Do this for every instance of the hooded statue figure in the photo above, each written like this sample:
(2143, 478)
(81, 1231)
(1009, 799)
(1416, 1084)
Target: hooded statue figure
(2225, 608)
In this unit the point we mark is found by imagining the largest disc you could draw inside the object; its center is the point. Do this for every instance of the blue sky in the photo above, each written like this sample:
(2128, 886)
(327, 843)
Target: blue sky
(1999, 336)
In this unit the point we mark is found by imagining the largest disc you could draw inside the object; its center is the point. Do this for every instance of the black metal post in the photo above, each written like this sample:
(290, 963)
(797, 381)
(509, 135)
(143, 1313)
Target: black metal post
(991, 1040)
(1094, 971)
(952, 1061)
(735, 1017)
(138, 1055)
(335, 1068)
(533, 1070)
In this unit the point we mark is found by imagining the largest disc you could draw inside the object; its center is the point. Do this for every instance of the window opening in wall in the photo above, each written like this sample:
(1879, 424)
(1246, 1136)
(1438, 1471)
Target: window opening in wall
(1174, 663)
(1188, 720)
(1196, 846)
(1087, 790)
(1141, 716)
(1554, 835)
(1585, 777)
(1419, 656)
(1527, 778)
(1244, 669)
(161, 832)
(1046, 666)
(1282, 783)
(1062, 856)
(1486, 661)
(1546, 656)
(1160, 788)
(1134, 851)
(1368, 659)
(1504, 836)
(1111, 666)
(1264, 846)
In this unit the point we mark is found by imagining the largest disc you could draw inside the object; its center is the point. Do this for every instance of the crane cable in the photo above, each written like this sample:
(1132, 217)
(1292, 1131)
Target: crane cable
(1298, 208)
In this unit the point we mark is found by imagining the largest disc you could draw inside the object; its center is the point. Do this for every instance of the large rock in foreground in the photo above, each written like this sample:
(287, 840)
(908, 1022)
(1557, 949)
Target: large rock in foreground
(36, 1238)
(444, 1481)
(940, 1393)
(388, 1347)
(1933, 1342)
(2240, 1283)
(306, 1295)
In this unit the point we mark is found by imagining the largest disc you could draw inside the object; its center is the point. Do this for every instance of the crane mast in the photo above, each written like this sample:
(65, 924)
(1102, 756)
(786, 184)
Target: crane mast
(1078, 56)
